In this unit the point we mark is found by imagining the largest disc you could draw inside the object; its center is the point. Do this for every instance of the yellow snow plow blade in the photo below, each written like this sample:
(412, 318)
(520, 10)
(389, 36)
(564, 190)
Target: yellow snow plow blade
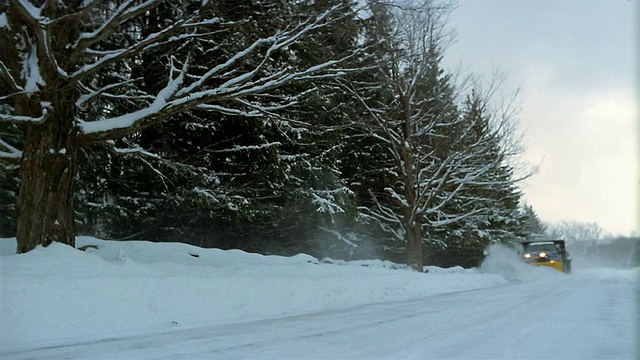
(554, 264)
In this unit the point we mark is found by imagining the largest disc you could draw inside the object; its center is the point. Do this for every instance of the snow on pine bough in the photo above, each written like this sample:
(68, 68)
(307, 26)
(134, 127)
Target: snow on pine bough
(551, 253)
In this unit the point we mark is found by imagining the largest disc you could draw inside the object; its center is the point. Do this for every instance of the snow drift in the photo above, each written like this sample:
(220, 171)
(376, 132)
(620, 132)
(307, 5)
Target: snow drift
(60, 295)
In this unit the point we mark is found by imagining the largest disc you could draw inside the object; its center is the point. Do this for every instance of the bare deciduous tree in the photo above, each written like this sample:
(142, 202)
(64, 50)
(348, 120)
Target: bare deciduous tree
(437, 152)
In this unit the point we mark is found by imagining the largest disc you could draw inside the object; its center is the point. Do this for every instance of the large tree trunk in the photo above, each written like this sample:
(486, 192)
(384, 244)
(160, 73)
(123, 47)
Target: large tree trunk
(412, 221)
(46, 188)
(48, 169)
(414, 247)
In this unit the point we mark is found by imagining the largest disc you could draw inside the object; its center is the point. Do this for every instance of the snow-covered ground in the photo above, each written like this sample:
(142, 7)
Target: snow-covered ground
(147, 300)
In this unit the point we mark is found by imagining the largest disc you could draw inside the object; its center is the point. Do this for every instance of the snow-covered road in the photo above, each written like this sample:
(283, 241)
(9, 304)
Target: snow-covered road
(587, 315)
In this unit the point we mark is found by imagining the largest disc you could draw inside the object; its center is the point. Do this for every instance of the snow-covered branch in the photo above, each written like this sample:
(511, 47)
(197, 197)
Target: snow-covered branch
(133, 150)
(120, 15)
(90, 95)
(20, 119)
(9, 153)
(231, 111)
(340, 237)
(445, 219)
(135, 48)
(216, 89)
(237, 148)
(173, 100)
(9, 79)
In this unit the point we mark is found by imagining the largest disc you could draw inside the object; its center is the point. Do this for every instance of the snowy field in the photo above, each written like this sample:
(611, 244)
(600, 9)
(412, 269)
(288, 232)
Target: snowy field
(143, 300)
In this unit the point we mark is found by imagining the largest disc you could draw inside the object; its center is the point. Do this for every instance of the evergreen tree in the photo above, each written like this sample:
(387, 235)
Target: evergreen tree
(9, 179)
(9, 160)
(262, 179)
(534, 227)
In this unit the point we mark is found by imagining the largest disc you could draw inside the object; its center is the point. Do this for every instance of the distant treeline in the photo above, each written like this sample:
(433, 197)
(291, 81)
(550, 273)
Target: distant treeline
(616, 252)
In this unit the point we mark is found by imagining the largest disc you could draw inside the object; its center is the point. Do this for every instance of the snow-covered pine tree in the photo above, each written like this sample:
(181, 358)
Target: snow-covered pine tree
(276, 186)
(9, 160)
(534, 227)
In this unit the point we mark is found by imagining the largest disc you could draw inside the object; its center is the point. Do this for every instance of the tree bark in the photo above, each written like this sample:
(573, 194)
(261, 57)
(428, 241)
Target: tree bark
(48, 168)
(412, 220)
(46, 189)
(414, 247)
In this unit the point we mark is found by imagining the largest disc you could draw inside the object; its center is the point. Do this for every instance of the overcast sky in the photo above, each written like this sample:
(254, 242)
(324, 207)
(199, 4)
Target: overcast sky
(575, 63)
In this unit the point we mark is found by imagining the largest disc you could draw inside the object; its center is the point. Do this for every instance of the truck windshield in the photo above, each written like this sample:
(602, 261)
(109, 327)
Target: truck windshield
(547, 247)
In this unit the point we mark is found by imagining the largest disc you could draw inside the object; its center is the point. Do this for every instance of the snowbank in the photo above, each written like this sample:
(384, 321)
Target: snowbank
(61, 295)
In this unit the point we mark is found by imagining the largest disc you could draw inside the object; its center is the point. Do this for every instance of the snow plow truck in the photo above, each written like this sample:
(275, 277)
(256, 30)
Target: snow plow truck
(552, 253)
